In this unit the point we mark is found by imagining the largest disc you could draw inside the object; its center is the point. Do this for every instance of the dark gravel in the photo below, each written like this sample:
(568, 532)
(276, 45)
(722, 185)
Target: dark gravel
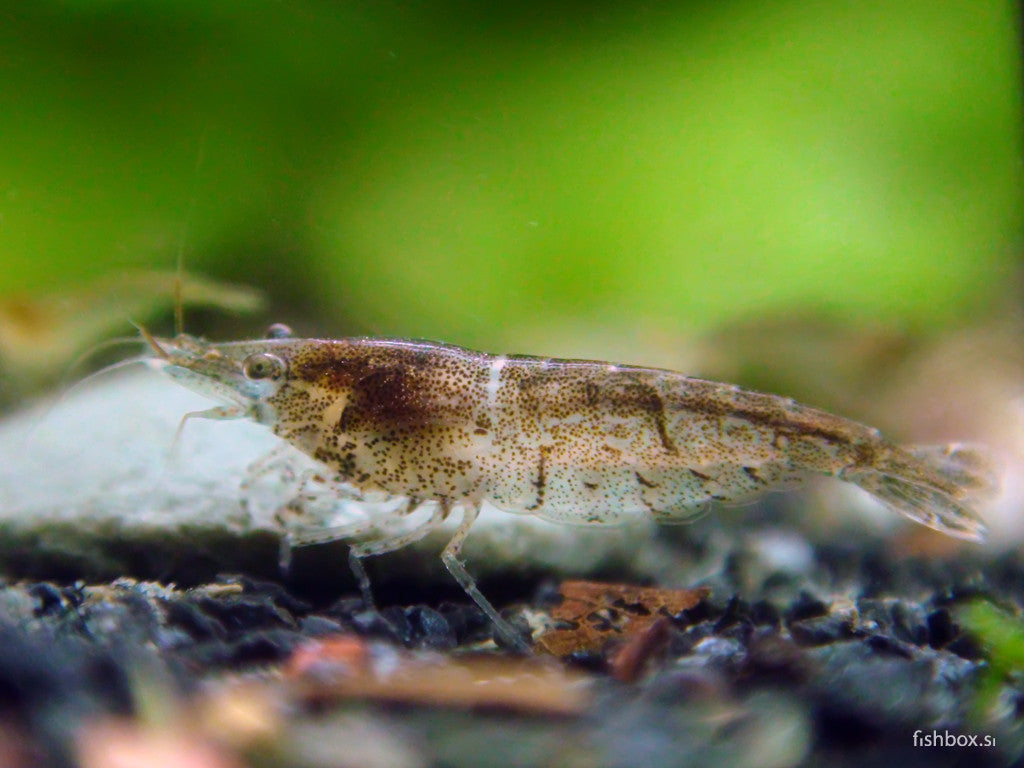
(836, 664)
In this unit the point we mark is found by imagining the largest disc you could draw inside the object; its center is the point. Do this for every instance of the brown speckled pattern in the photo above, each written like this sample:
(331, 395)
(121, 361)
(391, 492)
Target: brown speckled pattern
(567, 440)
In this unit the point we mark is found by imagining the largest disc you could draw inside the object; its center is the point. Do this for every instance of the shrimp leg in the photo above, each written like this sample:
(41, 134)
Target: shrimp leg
(450, 558)
(380, 546)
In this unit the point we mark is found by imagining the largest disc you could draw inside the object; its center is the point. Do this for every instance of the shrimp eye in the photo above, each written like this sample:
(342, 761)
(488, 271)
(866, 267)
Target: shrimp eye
(262, 366)
(279, 331)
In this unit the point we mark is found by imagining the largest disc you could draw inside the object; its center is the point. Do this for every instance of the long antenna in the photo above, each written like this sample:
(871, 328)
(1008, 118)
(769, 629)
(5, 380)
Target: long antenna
(179, 269)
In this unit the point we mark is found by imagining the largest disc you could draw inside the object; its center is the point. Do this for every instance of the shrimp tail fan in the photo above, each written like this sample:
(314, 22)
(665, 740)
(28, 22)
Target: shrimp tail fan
(936, 485)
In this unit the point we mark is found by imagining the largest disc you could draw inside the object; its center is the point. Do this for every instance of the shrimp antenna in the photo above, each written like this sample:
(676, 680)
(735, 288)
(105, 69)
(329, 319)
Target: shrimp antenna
(179, 310)
(179, 304)
(99, 347)
(151, 340)
(51, 407)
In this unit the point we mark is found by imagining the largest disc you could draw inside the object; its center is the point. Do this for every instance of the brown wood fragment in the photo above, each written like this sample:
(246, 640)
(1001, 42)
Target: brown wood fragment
(593, 614)
(629, 660)
(348, 667)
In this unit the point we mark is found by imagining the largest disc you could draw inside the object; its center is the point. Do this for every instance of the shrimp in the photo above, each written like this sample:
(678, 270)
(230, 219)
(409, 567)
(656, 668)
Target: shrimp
(571, 441)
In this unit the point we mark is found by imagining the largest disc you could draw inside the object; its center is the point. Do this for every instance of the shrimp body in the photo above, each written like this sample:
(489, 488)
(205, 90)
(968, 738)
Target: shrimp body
(568, 440)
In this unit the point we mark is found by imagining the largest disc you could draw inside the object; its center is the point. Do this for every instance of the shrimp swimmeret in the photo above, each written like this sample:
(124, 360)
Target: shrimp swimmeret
(567, 440)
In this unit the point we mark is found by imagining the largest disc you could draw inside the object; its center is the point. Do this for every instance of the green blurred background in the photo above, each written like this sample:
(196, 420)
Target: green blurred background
(585, 179)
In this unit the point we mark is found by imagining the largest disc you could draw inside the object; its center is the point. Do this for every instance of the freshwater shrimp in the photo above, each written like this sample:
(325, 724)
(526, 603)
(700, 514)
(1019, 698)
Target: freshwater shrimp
(571, 441)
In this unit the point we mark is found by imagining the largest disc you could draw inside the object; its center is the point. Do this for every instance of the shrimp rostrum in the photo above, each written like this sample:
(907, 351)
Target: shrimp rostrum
(567, 440)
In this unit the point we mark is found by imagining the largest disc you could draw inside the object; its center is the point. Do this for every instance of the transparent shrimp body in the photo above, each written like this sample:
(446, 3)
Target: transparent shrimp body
(567, 440)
